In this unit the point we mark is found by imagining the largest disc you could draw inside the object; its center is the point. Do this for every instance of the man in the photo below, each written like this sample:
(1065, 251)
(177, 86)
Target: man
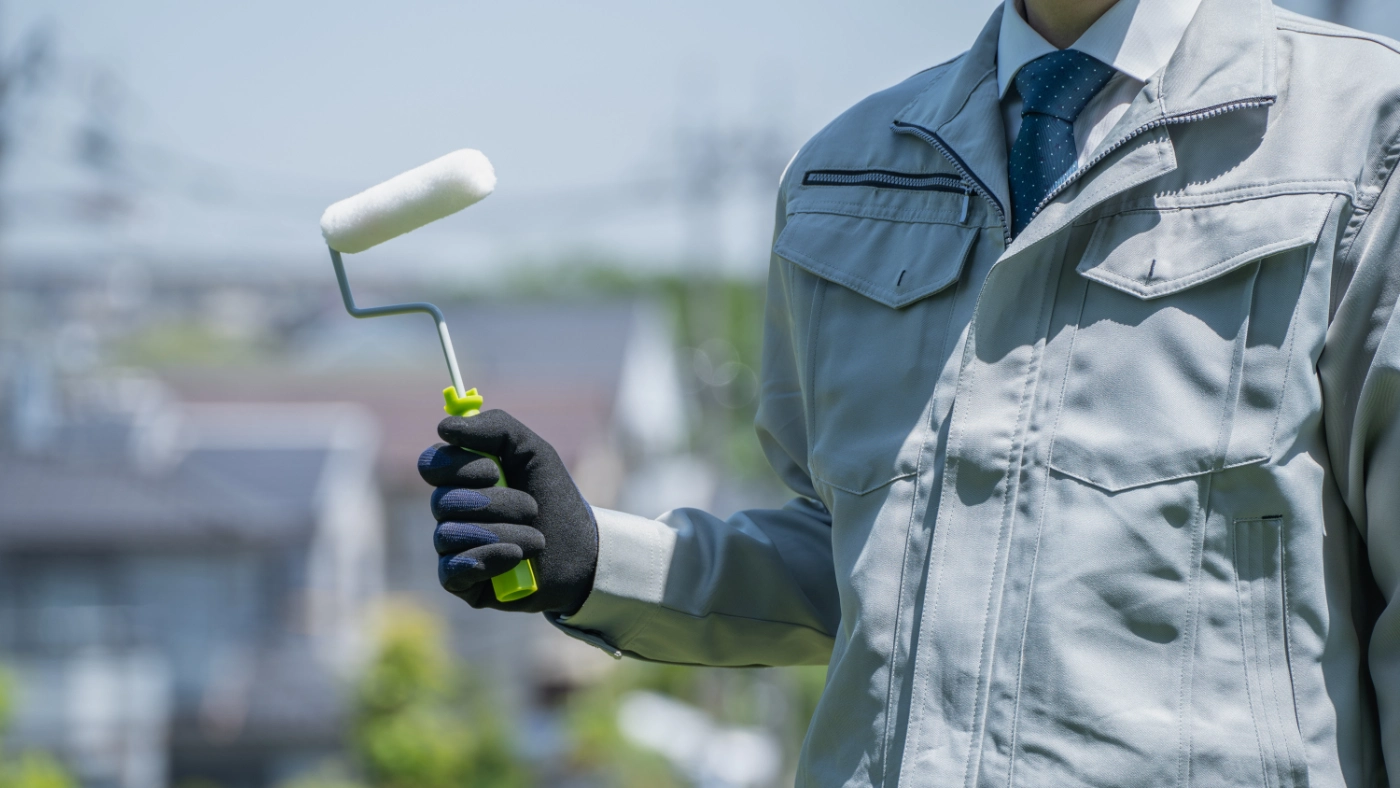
(1092, 423)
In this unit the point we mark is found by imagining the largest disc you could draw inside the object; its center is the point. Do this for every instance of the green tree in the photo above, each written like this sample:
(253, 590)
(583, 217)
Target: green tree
(422, 720)
(780, 700)
(27, 769)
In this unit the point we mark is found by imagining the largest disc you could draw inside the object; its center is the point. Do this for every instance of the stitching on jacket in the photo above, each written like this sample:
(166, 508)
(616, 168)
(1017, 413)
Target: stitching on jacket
(1343, 261)
(870, 289)
(1015, 458)
(949, 216)
(1288, 355)
(1271, 652)
(1288, 625)
(1216, 198)
(991, 72)
(1245, 634)
(825, 274)
(854, 491)
(1040, 529)
(1120, 488)
(813, 335)
(733, 617)
(1187, 675)
(1205, 274)
(930, 433)
(1226, 428)
(1298, 24)
(950, 476)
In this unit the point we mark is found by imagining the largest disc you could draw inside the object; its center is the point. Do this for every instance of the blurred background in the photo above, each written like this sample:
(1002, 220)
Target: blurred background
(216, 568)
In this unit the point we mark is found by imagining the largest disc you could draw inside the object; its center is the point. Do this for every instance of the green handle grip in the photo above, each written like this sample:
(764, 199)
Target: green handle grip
(519, 581)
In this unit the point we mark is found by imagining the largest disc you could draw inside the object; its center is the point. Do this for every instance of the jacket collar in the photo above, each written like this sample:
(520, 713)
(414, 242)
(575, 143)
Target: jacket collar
(1225, 56)
(963, 109)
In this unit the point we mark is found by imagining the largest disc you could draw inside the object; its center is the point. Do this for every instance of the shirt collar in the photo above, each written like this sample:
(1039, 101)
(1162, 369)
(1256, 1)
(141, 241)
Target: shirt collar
(1136, 37)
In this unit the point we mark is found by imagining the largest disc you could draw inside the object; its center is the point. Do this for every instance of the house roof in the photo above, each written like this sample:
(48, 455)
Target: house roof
(230, 475)
(554, 365)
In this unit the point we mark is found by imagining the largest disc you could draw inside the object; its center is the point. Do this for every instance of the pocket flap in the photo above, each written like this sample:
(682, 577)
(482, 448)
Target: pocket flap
(893, 262)
(1150, 254)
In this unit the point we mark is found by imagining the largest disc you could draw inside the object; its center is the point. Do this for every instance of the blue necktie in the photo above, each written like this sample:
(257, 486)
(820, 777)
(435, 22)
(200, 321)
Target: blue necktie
(1054, 89)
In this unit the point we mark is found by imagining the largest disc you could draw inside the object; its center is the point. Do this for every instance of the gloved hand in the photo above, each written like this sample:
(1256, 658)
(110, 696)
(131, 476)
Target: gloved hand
(484, 530)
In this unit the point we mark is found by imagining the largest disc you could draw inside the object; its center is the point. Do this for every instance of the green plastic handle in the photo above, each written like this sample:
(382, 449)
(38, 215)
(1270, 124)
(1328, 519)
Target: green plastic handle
(519, 581)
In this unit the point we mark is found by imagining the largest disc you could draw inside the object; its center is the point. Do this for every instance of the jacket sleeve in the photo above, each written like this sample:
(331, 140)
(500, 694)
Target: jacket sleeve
(757, 588)
(1360, 374)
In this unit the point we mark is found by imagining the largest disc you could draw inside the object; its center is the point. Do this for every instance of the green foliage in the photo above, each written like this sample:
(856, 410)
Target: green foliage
(597, 747)
(35, 770)
(184, 344)
(708, 313)
(422, 721)
(327, 777)
(28, 769)
(6, 702)
(779, 699)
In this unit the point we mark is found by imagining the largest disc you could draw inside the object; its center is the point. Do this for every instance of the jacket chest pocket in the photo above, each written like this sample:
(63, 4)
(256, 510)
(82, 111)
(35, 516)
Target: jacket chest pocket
(1181, 346)
(877, 333)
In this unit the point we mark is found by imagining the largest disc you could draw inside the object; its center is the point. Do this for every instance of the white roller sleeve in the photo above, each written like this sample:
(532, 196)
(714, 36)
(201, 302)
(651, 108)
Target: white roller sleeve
(406, 202)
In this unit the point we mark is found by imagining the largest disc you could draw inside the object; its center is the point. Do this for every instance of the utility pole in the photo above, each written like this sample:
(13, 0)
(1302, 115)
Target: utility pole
(23, 70)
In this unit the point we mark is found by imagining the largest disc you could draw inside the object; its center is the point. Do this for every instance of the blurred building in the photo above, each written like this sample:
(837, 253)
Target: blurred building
(183, 588)
(191, 550)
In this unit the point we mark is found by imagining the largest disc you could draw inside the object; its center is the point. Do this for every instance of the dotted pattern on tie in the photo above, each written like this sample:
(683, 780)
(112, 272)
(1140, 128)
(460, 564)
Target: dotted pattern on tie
(1054, 89)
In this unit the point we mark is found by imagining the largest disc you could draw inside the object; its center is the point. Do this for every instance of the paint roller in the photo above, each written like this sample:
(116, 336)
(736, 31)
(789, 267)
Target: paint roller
(403, 203)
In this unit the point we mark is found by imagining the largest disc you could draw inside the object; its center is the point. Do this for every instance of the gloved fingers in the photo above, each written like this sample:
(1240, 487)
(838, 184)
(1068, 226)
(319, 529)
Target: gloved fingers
(479, 596)
(451, 538)
(448, 466)
(499, 434)
(460, 571)
(484, 505)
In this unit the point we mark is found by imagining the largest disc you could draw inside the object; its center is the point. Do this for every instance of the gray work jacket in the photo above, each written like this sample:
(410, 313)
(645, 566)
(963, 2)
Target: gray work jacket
(1115, 502)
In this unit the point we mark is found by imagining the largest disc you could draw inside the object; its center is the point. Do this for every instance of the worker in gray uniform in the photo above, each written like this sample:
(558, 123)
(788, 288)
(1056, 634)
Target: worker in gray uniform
(1083, 361)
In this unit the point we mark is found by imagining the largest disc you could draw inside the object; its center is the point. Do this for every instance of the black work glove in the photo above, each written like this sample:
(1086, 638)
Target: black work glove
(484, 530)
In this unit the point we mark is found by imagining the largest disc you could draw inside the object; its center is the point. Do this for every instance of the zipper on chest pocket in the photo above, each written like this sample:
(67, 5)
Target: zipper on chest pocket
(885, 179)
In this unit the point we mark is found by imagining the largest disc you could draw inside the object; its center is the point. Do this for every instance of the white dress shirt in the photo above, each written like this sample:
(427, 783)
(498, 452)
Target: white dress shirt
(1136, 37)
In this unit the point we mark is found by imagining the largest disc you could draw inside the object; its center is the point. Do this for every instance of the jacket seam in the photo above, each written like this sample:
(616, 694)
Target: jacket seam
(734, 617)
(1015, 460)
(1035, 556)
(1216, 198)
(877, 213)
(1187, 281)
(1230, 401)
(855, 283)
(1298, 26)
(1162, 480)
(1365, 203)
(1245, 635)
(1186, 742)
(1288, 356)
(966, 376)
(868, 288)
(813, 336)
(853, 491)
(930, 433)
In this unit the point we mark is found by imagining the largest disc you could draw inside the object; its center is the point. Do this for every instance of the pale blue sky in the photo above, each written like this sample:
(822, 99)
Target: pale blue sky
(295, 104)
(267, 111)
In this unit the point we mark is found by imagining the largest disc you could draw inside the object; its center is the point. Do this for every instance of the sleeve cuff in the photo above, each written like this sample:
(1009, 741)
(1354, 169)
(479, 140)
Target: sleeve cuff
(634, 555)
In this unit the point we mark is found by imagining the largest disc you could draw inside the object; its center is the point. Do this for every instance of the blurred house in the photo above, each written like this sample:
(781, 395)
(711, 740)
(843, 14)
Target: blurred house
(183, 588)
(599, 379)
(188, 567)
